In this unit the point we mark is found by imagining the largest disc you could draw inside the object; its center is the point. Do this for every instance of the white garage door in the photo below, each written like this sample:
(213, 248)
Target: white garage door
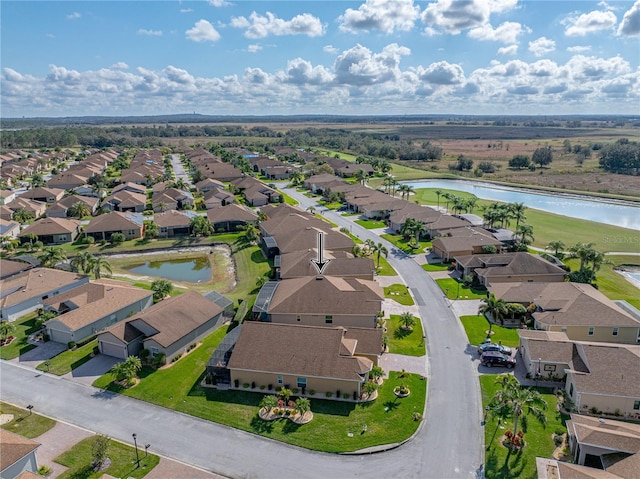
(115, 350)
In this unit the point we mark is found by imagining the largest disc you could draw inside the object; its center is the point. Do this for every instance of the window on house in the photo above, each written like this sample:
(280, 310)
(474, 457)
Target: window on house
(155, 351)
(328, 319)
(302, 382)
(571, 390)
(591, 331)
(636, 405)
(614, 332)
(280, 381)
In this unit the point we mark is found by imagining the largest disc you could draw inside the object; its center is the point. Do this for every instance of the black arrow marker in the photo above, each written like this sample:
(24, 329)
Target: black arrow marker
(320, 263)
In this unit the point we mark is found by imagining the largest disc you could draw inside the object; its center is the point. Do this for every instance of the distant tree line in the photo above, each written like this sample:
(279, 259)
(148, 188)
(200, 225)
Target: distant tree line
(623, 157)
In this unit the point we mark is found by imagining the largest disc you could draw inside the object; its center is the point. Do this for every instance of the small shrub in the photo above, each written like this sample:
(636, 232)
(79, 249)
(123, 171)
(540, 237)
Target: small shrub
(509, 434)
(312, 392)
(144, 354)
(594, 410)
(71, 344)
(295, 390)
(345, 396)
(44, 471)
(416, 416)
(176, 357)
(245, 385)
(329, 394)
(262, 387)
(617, 413)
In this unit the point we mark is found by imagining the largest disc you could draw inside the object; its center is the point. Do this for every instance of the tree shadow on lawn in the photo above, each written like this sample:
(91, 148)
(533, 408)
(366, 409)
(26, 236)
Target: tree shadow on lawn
(290, 427)
(260, 426)
(333, 408)
(401, 333)
(391, 406)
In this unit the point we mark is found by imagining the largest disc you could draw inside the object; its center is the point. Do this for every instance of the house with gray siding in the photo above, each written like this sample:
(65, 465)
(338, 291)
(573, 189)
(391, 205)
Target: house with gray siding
(17, 455)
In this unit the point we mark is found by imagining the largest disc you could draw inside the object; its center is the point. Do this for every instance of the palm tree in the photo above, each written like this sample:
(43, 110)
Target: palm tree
(387, 183)
(407, 320)
(311, 209)
(493, 307)
(22, 216)
(251, 232)
(402, 375)
(302, 406)
(51, 256)
(418, 230)
(6, 328)
(380, 249)
(438, 193)
(269, 402)
(127, 370)
(286, 394)
(361, 176)
(407, 228)
(526, 234)
(78, 210)
(161, 289)
(200, 225)
(97, 265)
(392, 185)
(583, 251)
(369, 388)
(517, 212)
(376, 373)
(447, 196)
(513, 400)
(471, 204)
(556, 246)
(82, 262)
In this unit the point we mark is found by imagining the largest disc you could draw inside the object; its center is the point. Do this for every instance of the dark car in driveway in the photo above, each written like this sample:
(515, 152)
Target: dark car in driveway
(486, 347)
(496, 358)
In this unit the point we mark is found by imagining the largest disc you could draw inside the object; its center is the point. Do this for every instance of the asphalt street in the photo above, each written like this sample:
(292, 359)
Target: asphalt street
(449, 443)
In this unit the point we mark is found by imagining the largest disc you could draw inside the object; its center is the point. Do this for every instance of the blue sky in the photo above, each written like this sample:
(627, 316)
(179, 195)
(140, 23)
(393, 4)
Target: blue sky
(314, 57)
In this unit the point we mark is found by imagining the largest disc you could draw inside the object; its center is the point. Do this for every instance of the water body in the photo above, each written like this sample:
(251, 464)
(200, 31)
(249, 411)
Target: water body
(601, 211)
(190, 270)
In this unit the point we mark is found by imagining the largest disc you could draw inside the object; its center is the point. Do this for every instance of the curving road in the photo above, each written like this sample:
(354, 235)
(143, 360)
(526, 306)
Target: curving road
(448, 445)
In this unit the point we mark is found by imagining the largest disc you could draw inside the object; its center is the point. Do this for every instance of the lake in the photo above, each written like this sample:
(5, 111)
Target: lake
(614, 213)
(190, 270)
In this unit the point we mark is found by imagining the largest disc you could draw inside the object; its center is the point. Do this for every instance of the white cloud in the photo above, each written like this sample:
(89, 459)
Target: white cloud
(262, 26)
(50, 35)
(579, 48)
(186, 10)
(119, 66)
(630, 24)
(453, 16)
(542, 46)
(219, 3)
(589, 23)
(300, 71)
(594, 68)
(149, 33)
(359, 66)
(74, 16)
(510, 50)
(507, 33)
(203, 31)
(254, 48)
(442, 73)
(330, 49)
(384, 15)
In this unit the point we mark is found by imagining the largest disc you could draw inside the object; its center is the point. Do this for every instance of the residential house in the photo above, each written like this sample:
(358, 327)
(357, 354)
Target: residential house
(209, 184)
(320, 183)
(221, 171)
(256, 192)
(320, 301)
(318, 359)
(24, 292)
(171, 199)
(463, 242)
(36, 208)
(103, 226)
(579, 310)
(297, 264)
(131, 187)
(59, 209)
(70, 179)
(509, 268)
(597, 377)
(126, 201)
(399, 217)
(87, 309)
(43, 194)
(444, 225)
(52, 230)
(167, 328)
(173, 223)
(11, 267)
(6, 213)
(9, 228)
(231, 217)
(270, 168)
(218, 197)
(612, 445)
(559, 469)
(90, 190)
(7, 196)
(349, 169)
(17, 455)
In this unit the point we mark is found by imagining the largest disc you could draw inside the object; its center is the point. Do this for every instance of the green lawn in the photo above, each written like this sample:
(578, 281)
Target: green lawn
(68, 360)
(385, 268)
(401, 341)
(371, 224)
(123, 461)
(27, 425)
(288, 199)
(500, 463)
(452, 287)
(399, 293)
(435, 267)
(178, 387)
(331, 206)
(250, 265)
(476, 327)
(23, 328)
(403, 244)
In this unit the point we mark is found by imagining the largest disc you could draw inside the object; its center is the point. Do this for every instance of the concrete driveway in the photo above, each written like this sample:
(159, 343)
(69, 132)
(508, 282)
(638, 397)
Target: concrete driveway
(40, 353)
(398, 362)
(92, 369)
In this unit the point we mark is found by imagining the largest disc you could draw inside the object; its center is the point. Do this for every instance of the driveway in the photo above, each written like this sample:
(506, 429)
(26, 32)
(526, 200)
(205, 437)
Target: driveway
(92, 369)
(57, 440)
(398, 362)
(40, 353)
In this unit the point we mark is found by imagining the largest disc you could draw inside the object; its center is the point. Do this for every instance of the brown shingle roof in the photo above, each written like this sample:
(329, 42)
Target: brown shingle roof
(34, 283)
(230, 212)
(51, 226)
(305, 351)
(171, 218)
(298, 263)
(114, 221)
(14, 447)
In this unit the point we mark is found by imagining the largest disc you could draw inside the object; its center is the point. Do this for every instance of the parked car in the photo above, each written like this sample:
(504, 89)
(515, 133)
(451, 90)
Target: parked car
(485, 347)
(496, 358)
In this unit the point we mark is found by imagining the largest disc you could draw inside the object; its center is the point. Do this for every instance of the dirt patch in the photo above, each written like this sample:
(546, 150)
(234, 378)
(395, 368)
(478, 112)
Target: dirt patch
(5, 419)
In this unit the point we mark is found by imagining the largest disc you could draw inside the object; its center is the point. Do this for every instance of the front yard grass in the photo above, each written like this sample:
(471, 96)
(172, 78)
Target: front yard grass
(401, 341)
(435, 267)
(24, 327)
(403, 244)
(123, 461)
(455, 289)
(399, 293)
(385, 268)
(178, 388)
(476, 327)
(27, 425)
(500, 462)
(288, 199)
(69, 360)
(371, 224)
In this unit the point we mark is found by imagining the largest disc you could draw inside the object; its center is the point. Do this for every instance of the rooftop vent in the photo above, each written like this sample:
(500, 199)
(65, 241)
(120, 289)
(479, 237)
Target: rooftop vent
(319, 277)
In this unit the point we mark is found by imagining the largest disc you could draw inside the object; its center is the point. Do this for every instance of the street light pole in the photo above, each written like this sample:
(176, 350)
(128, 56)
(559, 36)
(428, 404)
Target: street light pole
(135, 444)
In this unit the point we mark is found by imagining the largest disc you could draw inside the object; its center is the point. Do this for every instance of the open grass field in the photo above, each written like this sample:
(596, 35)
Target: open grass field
(476, 327)
(399, 293)
(402, 341)
(500, 462)
(23, 328)
(69, 360)
(26, 424)
(178, 388)
(123, 461)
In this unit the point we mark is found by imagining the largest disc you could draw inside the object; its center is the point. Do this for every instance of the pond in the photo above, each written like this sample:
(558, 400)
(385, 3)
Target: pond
(623, 214)
(190, 270)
